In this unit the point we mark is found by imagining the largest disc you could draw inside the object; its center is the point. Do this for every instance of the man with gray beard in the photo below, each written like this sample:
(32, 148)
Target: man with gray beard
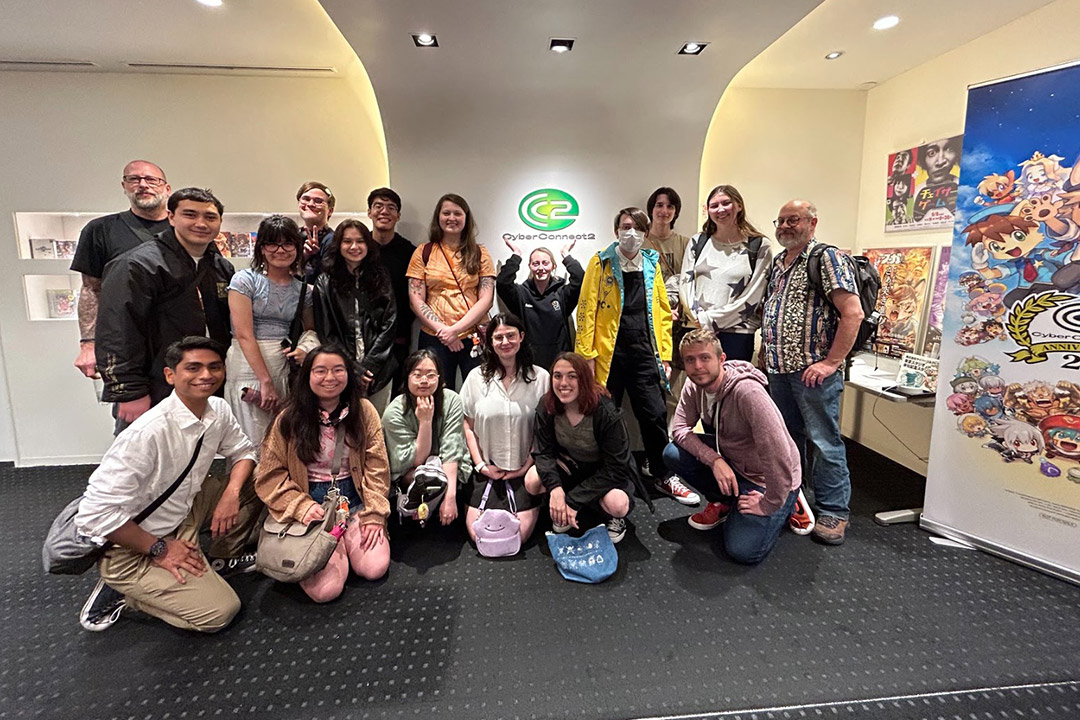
(805, 337)
(107, 237)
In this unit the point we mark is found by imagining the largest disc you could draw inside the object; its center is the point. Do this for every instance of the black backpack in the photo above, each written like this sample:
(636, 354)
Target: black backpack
(867, 282)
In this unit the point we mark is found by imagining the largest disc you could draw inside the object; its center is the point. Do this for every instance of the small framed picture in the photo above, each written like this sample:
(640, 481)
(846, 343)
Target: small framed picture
(61, 302)
(42, 248)
(65, 249)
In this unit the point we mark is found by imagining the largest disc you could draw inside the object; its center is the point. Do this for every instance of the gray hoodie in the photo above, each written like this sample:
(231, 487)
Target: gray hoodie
(750, 432)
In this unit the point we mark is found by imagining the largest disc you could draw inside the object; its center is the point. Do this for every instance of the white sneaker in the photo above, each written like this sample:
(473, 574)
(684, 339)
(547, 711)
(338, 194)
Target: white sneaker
(616, 529)
(102, 609)
(673, 486)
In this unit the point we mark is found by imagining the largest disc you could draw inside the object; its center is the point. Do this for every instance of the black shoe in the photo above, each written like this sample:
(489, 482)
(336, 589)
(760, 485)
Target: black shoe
(227, 567)
(102, 608)
(616, 529)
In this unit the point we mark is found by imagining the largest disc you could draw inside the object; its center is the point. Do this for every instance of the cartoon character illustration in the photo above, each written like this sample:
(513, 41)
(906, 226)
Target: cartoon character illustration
(959, 404)
(987, 302)
(1014, 440)
(1034, 400)
(972, 282)
(971, 425)
(992, 385)
(1041, 174)
(998, 189)
(977, 367)
(903, 302)
(993, 329)
(1061, 433)
(989, 408)
(1011, 241)
(965, 384)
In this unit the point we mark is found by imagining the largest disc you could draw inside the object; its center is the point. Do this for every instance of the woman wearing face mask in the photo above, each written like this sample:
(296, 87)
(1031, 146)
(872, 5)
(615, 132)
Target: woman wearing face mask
(262, 305)
(544, 302)
(328, 436)
(500, 399)
(624, 329)
(452, 288)
(724, 274)
(427, 420)
(582, 452)
(354, 305)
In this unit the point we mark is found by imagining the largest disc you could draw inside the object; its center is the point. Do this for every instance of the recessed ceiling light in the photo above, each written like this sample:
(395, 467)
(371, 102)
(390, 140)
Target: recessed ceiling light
(693, 48)
(561, 45)
(426, 40)
(884, 23)
(834, 54)
(210, 3)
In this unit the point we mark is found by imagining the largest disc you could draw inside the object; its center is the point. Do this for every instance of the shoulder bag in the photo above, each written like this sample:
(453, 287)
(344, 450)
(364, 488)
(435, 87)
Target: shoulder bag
(497, 531)
(591, 558)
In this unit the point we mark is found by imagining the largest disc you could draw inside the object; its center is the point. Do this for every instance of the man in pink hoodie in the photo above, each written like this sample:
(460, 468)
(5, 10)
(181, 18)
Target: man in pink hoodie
(745, 464)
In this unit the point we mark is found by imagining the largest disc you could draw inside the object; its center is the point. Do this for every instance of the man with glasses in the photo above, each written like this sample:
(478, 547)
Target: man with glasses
(384, 211)
(804, 342)
(107, 237)
(316, 204)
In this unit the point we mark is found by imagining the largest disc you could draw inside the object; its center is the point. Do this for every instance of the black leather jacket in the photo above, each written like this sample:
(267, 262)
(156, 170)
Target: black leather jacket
(339, 312)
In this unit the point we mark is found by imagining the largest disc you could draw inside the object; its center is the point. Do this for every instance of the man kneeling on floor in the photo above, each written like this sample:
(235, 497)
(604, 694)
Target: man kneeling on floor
(745, 464)
(156, 566)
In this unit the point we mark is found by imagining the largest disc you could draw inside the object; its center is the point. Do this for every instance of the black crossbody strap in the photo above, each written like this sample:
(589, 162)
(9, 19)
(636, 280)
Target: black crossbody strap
(138, 229)
(172, 488)
(296, 328)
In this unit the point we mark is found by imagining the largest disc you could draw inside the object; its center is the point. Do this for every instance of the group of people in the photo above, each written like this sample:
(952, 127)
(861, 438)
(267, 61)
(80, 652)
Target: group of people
(310, 348)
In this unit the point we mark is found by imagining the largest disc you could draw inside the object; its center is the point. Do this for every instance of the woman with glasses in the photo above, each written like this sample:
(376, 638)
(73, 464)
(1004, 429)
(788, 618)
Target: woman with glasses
(424, 422)
(724, 274)
(354, 305)
(263, 305)
(329, 436)
(452, 287)
(500, 399)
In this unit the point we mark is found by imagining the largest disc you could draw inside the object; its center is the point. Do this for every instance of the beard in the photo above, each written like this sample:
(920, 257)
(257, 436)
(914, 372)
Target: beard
(789, 241)
(152, 202)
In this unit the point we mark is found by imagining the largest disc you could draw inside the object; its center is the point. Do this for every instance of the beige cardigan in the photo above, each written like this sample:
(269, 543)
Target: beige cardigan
(281, 477)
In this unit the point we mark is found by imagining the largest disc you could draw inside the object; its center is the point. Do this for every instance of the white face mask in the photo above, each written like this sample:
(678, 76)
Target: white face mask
(630, 241)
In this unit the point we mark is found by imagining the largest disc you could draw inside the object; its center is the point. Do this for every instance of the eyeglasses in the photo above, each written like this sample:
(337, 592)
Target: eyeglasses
(280, 247)
(149, 180)
(788, 221)
(416, 375)
(377, 207)
(309, 200)
(321, 372)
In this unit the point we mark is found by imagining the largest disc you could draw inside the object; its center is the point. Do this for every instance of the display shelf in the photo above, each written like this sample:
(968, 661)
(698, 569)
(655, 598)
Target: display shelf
(51, 297)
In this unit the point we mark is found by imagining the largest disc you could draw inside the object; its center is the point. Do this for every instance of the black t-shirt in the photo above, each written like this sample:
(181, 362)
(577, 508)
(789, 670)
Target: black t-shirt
(634, 319)
(108, 237)
(395, 256)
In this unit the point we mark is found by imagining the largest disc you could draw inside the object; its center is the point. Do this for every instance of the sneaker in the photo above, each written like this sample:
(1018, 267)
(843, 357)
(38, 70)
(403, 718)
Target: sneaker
(673, 486)
(616, 529)
(830, 530)
(227, 567)
(102, 608)
(713, 514)
(801, 521)
(559, 529)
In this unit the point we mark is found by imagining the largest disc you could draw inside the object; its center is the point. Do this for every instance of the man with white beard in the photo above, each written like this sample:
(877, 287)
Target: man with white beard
(805, 339)
(107, 237)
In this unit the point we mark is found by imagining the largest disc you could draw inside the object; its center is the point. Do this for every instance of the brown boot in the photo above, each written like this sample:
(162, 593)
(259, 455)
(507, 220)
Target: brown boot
(830, 530)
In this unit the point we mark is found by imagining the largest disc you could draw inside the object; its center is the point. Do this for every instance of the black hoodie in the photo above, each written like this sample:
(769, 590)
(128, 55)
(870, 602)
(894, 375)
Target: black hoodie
(546, 315)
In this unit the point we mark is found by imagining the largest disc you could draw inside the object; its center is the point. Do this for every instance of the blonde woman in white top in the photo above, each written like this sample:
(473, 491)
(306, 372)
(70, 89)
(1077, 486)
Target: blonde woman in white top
(500, 399)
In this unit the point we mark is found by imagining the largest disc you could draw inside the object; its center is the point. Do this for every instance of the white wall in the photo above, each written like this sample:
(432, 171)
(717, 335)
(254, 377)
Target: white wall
(66, 138)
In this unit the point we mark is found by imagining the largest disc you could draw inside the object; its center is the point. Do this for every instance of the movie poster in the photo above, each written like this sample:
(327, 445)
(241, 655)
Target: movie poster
(921, 186)
(905, 274)
(932, 343)
(1005, 453)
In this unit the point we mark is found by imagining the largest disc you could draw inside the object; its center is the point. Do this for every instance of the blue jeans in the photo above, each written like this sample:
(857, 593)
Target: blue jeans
(748, 539)
(451, 361)
(812, 416)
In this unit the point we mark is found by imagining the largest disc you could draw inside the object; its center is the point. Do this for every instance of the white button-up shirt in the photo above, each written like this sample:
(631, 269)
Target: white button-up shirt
(503, 419)
(148, 457)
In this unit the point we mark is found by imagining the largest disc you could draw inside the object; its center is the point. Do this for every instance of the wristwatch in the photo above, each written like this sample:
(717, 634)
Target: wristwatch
(158, 548)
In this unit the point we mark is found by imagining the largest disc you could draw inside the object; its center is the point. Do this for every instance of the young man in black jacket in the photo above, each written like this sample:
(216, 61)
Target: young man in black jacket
(156, 294)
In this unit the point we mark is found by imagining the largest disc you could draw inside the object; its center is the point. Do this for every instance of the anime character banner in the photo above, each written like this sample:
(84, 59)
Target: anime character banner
(932, 342)
(1004, 466)
(905, 274)
(921, 185)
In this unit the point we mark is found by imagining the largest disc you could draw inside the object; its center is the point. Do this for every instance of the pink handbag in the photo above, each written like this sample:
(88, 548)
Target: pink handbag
(497, 531)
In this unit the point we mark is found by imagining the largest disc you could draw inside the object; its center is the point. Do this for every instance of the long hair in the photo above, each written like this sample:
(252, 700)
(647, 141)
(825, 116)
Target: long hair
(277, 229)
(370, 278)
(554, 262)
(523, 361)
(414, 359)
(744, 225)
(470, 251)
(300, 418)
(589, 391)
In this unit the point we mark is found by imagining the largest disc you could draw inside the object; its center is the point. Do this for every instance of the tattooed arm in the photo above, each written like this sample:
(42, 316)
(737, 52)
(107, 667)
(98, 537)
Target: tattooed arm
(88, 308)
(418, 303)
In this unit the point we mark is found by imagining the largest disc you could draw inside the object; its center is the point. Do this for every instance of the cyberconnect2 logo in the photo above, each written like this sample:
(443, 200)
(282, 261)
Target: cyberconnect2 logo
(548, 210)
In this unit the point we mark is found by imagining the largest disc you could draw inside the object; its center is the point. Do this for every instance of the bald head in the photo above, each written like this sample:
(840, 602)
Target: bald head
(146, 188)
(795, 224)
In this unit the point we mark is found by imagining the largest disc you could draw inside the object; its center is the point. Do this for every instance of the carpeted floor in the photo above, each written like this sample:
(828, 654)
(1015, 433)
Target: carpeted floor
(887, 626)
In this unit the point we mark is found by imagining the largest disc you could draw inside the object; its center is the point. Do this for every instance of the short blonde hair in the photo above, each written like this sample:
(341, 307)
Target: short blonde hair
(701, 336)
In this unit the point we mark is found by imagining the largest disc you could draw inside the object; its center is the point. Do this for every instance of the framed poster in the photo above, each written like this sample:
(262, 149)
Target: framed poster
(905, 275)
(921, 186)
(931, 346)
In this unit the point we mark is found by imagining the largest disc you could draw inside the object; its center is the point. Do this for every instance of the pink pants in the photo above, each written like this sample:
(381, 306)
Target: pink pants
(328, 583)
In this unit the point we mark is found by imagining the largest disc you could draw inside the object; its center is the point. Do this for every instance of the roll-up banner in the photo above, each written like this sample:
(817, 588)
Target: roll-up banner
(1004, 471)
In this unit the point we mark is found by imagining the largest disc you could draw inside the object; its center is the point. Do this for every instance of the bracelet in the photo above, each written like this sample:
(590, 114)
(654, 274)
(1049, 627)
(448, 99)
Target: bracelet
(480, 468)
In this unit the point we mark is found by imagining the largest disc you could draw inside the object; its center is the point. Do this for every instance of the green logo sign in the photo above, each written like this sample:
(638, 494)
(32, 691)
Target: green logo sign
(548, 209)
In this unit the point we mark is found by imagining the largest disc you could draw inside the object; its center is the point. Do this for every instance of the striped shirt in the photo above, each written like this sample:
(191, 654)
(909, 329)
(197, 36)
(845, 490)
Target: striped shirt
(798, 326)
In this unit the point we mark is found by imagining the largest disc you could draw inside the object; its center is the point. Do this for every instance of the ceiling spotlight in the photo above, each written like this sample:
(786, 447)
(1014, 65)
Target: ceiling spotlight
(693, 48)
(210, 3)
(834, 54)
(425, 40)
(561, 45)
(889, 21)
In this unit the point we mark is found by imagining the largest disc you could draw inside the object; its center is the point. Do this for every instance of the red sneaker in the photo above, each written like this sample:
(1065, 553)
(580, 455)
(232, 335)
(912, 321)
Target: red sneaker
(713, 514)
(801, 521)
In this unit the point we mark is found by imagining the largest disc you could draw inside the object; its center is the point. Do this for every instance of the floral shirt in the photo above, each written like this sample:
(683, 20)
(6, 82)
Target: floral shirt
(798, 326)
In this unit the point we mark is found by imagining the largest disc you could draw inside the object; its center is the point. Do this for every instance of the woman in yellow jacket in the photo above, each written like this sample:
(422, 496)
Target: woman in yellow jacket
(624, 328)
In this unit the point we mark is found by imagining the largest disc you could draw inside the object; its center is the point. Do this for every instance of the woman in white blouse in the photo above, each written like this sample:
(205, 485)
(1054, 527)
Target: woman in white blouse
(500, 399)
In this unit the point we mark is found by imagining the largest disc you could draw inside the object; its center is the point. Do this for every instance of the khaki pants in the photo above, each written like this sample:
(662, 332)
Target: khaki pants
(203, 604)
